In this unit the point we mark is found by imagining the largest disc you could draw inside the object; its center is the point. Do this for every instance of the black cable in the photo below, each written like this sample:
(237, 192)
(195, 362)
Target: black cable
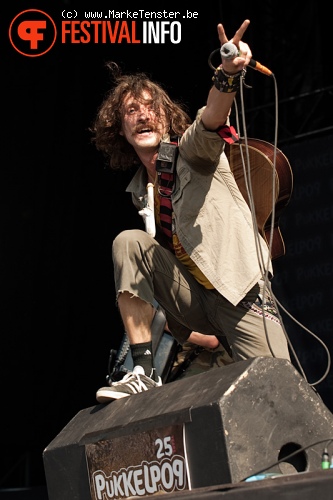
(210, 58)
(260, 257)
(327, 441)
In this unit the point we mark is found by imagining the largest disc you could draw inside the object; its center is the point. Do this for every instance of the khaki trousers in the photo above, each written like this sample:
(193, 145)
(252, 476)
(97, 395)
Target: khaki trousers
(151, 272)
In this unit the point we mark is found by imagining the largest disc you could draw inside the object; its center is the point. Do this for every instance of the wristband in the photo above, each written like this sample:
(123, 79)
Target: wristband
(225, 82)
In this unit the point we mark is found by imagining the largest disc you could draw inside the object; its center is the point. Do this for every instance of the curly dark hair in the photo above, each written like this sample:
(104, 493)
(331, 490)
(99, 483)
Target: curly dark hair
(107, 125)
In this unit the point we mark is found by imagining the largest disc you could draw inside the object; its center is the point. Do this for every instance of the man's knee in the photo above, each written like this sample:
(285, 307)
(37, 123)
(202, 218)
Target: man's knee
(128, 239)
(124, 237)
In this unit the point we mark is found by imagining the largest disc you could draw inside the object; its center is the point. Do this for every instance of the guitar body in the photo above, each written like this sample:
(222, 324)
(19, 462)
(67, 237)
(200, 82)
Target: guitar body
(261, 167)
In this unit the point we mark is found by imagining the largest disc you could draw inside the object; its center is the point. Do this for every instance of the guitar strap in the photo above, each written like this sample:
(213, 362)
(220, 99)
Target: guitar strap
(228, 133)
(166, 183)
(166, 180)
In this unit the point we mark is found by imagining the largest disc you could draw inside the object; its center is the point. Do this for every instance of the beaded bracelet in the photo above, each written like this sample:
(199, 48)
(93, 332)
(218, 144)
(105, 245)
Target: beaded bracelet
(225, 82)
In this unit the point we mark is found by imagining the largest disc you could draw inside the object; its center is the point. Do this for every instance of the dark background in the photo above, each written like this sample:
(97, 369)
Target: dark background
(61, 208)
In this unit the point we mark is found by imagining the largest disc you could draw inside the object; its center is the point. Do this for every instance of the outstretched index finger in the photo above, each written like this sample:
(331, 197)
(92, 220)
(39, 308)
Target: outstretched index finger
(240, 32)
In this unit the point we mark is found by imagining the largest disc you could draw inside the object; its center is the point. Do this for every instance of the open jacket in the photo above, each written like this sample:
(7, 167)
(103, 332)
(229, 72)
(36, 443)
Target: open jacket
(212, 220)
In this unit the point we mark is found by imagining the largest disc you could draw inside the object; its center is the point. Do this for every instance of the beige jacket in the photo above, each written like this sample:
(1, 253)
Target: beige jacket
(212, 219)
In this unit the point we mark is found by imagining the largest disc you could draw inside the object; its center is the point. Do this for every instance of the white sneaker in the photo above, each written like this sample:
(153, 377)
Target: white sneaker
(132, 383)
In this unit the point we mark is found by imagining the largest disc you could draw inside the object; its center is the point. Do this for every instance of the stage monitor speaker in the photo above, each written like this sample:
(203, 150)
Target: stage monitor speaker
(218, 427)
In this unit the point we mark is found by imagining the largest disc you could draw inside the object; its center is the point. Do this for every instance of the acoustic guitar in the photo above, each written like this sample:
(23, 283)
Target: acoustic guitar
(261, 167)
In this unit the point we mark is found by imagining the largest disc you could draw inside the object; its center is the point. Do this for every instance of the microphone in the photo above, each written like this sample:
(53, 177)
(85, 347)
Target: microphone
(229, 51)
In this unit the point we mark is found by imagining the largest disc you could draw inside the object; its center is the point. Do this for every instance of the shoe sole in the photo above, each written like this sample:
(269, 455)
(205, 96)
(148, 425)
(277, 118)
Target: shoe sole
(105, 396)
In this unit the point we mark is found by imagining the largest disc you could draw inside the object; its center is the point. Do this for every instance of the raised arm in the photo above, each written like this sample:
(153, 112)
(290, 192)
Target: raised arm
(219, 102)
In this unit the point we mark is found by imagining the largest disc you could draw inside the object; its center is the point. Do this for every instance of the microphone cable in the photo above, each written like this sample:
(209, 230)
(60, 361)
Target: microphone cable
(228, 50)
